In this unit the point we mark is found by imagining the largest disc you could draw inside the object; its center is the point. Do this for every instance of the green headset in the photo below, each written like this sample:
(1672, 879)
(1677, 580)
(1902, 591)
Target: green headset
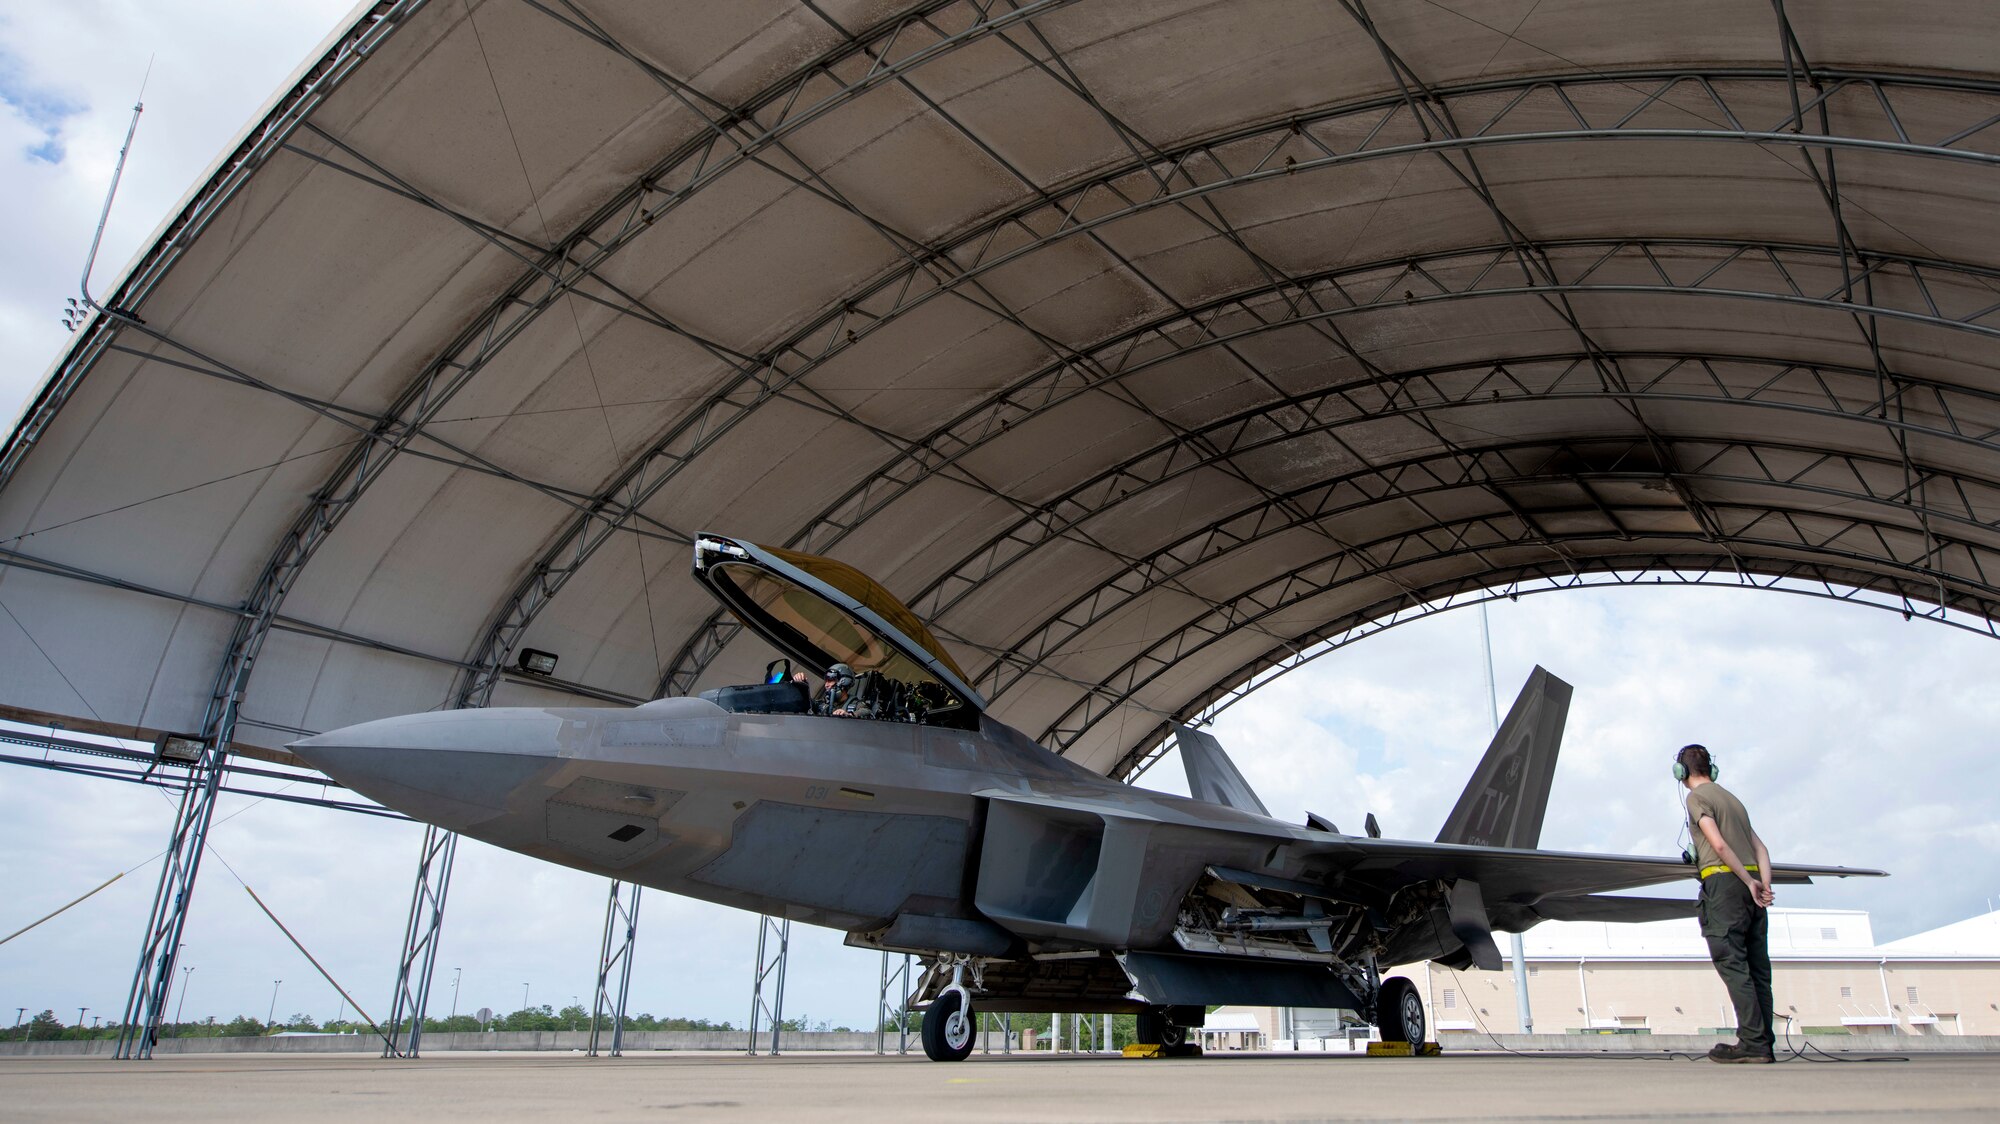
(1681, 769)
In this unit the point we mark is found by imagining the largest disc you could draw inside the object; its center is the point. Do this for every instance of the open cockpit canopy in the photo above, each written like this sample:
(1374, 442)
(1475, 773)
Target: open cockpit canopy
(821, 612)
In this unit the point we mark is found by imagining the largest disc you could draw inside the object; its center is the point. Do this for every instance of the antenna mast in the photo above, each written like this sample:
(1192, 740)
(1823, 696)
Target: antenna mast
(73, 316)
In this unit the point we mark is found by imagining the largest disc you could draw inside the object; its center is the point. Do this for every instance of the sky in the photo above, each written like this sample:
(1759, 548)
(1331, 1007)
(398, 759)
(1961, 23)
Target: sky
(1854, 736)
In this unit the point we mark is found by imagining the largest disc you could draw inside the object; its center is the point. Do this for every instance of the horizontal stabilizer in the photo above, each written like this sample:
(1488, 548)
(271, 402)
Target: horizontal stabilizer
(1503, 804)
(1211, 775)
(1610, 907)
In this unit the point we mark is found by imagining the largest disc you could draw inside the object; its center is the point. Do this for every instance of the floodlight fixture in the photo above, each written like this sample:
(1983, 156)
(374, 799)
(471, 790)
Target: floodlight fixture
(534, 661)
(179, 749)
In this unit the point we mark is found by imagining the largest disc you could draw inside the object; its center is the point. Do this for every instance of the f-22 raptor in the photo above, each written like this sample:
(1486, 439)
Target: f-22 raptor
(918, 823)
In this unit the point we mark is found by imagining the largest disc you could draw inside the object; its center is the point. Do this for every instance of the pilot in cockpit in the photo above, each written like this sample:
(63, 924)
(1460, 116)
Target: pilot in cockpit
(836, 699)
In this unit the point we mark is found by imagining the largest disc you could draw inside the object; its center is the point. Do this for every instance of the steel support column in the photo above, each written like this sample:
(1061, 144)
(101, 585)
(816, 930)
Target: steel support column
(899, 1011)
(420, 944)
(153, 980)
(621, 928)
(766, 968)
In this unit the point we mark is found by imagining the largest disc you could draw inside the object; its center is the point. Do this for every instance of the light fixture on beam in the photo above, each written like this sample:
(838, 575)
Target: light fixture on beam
(178, 749)
(534, 661)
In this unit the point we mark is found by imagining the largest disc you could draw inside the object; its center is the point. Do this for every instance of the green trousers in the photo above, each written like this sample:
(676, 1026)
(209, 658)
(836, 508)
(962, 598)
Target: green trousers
(1738, 933)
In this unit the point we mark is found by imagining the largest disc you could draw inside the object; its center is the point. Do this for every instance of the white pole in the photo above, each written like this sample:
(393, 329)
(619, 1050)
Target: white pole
(1583, 988)
(1522, 1011)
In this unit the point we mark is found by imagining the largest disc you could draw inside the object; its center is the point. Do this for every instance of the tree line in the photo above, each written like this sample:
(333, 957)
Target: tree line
(47, 1027)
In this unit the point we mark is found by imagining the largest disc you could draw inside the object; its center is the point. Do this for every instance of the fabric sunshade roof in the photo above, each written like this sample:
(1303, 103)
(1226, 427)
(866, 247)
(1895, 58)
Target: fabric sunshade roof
(1142, 348)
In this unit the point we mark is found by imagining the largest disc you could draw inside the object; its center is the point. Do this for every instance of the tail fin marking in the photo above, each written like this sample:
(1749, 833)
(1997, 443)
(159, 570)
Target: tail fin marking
(1503, 804)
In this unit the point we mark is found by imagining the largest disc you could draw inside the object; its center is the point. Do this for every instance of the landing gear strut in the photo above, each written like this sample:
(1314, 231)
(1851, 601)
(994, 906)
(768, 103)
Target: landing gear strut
(947, 1031)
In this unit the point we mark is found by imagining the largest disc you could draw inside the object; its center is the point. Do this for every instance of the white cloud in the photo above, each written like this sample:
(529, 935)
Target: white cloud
(69, 74)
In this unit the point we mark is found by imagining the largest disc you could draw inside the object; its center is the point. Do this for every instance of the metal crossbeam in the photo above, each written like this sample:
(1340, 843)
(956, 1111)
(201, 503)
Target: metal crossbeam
(1810, 579)
(1260, 151)
(651, 473)
(1757, 529)
(1849, 479)
(1051, 216)
(421, 934)
(1723, 270)
(1045, 220)
(1534, 262)
(767, 982)
(1415, 283)
(621, 934)
(104, 762)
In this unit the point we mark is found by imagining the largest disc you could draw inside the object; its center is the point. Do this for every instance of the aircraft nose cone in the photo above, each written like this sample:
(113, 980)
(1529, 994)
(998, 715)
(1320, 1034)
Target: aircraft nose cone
(451, 768)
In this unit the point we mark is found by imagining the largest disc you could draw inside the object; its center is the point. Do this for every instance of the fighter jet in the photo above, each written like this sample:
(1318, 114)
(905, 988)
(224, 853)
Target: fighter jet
(895, 809)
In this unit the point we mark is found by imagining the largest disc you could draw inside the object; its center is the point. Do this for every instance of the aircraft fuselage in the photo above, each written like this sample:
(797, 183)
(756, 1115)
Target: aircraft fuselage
(840, 822)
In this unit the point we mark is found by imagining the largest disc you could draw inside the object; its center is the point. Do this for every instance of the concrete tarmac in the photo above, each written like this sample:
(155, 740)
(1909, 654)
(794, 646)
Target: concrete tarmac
(490, 1087)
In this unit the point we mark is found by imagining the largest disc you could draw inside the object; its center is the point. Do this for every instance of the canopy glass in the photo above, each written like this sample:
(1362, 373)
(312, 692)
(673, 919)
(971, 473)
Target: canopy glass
(822, 612)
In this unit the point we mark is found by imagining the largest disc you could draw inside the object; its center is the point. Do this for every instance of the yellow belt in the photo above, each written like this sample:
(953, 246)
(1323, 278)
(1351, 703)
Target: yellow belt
(1708, 870)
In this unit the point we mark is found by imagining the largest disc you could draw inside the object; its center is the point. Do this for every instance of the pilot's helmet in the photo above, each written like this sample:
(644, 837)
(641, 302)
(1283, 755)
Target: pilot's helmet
(840, 671)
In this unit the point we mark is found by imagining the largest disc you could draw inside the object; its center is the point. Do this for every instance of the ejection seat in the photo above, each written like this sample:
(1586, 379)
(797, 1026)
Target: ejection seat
(777, 694)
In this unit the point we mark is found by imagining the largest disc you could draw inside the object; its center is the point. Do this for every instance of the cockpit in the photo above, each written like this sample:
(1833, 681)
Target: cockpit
(827, 615)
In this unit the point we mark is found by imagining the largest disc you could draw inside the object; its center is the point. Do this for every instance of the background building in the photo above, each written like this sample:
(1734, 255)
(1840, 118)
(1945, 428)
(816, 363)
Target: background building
(1828, 975)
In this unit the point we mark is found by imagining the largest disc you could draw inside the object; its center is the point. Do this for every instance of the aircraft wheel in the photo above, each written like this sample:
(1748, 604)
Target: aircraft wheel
(947, 1031)
(1154, 1027)
(1399, 1012)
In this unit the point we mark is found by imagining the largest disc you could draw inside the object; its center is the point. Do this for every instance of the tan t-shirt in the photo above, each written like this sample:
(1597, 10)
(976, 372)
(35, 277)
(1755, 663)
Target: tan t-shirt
(1732, 822)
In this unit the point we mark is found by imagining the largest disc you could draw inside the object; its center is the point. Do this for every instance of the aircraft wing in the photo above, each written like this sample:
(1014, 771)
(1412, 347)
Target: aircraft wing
(1508, 874)
(1500, 888)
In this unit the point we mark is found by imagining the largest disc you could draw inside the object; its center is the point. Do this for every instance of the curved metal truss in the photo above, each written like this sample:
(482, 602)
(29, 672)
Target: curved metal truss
(1491, 472)
(1774, 532)
(1179, 178)
(1321, 301)
(1800, 578)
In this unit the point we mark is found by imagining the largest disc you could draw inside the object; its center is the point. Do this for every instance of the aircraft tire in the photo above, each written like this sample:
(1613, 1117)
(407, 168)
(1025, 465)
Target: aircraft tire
(1155, 1028)
(1399, 1012)
(947, 1038)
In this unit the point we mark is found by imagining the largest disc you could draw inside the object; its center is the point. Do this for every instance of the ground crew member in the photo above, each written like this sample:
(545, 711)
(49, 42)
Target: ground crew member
(1735, 893)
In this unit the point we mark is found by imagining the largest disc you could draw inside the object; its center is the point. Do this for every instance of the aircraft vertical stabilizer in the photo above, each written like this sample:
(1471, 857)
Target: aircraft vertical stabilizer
(1503, 804)
(1212, 776)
